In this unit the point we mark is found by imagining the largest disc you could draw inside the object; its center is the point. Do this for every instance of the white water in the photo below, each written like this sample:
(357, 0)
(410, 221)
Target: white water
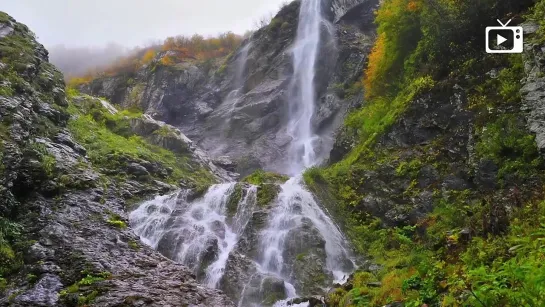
(302, 152)
(294, 204)
(238, 82)
(193, 225)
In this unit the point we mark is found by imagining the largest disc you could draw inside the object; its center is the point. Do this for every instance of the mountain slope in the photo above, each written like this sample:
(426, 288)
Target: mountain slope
(438, 177)
(71, 166)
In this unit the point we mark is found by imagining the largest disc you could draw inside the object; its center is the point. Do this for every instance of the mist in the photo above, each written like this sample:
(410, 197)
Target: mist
(76, 61)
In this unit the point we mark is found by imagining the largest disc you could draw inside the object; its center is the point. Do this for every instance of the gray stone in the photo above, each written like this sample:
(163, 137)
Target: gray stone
(137, 170)
(44, 293)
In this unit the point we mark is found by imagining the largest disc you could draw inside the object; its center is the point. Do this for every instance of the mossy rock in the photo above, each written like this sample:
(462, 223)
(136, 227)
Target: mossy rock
(260, 177)
(267, 193)
(234, 199)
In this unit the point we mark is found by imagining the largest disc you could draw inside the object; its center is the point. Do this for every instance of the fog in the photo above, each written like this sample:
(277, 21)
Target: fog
(76, 61)
(84, 34)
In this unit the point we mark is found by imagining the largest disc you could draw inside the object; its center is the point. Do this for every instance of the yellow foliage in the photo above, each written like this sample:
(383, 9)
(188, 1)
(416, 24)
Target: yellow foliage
(391, 290)
(78, 81)
(167, 61)
(148, 56)
(374, 71)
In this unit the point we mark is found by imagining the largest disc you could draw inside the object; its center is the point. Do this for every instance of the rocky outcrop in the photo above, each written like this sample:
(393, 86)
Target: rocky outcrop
(305, 259)
(65, 213)
(245, 284)
(238, 110)
(533, 90)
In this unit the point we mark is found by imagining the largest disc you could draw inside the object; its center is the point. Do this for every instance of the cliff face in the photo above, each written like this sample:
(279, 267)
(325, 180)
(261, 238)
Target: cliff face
(237, 108)
(71, 165)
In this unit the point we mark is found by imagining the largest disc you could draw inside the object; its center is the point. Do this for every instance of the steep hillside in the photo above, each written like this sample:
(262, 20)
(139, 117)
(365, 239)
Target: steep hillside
(438, 177)
(238, 108)
(71, 167)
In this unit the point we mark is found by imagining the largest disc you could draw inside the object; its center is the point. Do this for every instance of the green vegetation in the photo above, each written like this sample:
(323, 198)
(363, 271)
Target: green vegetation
(10, 261)
(116, 221)
(85, 289)
(267, 186)
(133, 244)
(267, 193)
(260, 177)
(506, 142)
(112, 145)
(234, 199)
(476, 247)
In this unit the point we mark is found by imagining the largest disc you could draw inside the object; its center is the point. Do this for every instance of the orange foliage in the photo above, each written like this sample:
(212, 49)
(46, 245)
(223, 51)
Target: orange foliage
(413, 6)
(375, 64)
(148, 56)
(167, 61)
(180, 49)
(200, 48)
(392, 282)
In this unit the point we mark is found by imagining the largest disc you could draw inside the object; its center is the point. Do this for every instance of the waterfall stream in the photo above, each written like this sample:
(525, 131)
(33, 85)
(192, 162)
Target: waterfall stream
(230, 242)
(302, 92)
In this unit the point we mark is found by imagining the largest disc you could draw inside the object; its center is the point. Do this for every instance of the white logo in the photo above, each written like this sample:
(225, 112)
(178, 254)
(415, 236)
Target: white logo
(504, 39)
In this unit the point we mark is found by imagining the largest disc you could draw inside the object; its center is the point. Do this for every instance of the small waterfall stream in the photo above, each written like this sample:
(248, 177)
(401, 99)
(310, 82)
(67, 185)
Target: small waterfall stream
(224, 232)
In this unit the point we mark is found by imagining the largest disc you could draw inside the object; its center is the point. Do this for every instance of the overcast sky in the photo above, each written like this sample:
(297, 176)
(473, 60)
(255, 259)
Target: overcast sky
(133, 22)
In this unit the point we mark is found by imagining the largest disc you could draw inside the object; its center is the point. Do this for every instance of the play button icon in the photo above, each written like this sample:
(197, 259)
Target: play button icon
(501, 40)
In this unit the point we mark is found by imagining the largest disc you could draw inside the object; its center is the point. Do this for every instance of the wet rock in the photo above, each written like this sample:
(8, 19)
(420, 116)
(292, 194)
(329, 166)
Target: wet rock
(65, 138)
(238, 272)
(312, 301)
(249, 240)
(305, 258)
(263, 290)
(487, 173)
(428, 175)
(161, 134)
(225, 163)
(38, 252)
(137, 170)
(44, 293)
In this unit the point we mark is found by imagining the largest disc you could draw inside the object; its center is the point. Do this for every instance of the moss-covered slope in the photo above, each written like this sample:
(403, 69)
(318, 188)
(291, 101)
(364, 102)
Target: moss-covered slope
(438, 178)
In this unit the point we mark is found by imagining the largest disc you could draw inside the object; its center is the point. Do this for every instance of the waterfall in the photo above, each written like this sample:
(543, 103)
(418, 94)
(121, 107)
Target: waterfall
(207, 236)
(195, 232)
(302, 91)
(238, 81)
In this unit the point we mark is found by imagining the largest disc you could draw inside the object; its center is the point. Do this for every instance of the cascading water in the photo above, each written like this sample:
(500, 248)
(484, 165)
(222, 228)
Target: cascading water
(238, 82)
(302, 92)
(223, 233)
(199, 234)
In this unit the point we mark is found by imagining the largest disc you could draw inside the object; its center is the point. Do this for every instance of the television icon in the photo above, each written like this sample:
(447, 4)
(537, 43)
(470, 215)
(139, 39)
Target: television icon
(504, 39)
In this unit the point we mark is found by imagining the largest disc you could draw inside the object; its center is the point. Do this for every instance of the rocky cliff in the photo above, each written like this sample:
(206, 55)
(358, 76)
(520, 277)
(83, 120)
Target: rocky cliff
(71, 166)
(237, 106)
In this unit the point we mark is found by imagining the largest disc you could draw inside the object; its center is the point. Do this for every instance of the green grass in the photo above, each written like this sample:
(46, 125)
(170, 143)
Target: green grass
(267, 186)
(85, 289)
(110, 144)
(260, 177)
